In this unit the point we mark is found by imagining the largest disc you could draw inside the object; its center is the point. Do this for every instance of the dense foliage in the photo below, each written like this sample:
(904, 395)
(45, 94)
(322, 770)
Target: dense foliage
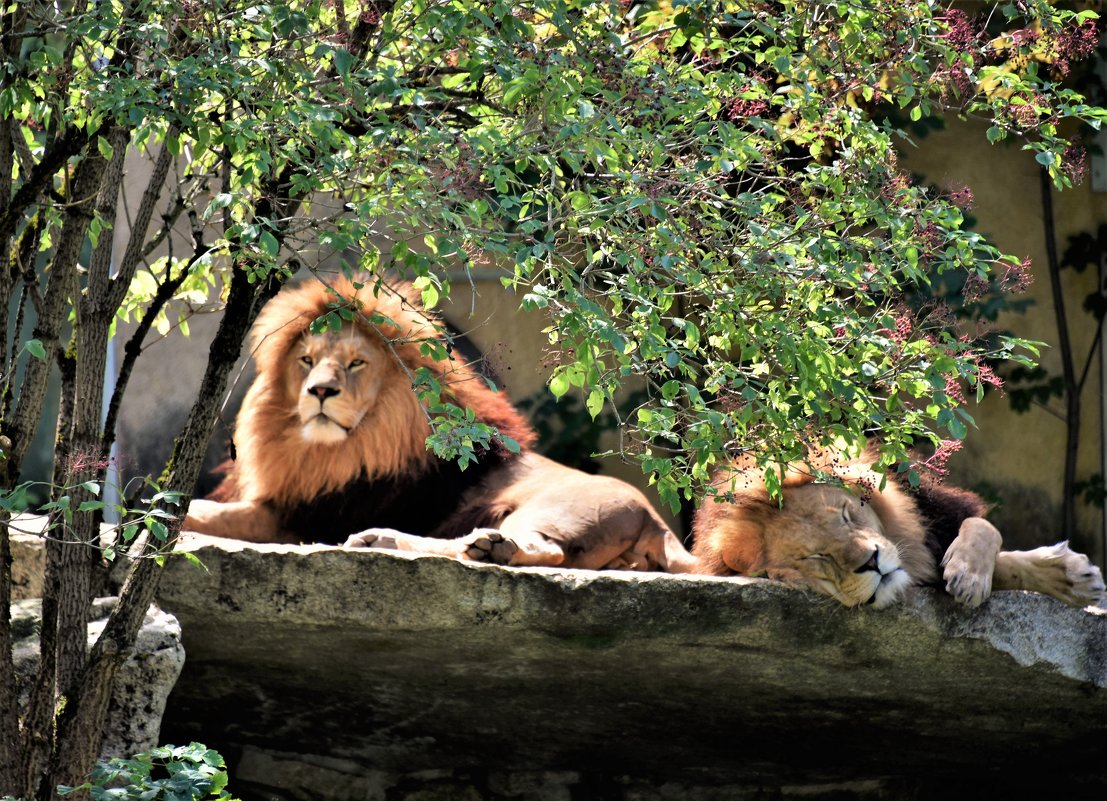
(168, 773)
(704, 196)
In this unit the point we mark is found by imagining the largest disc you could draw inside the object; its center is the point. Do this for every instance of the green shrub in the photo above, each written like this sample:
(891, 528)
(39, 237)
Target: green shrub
(169, 773)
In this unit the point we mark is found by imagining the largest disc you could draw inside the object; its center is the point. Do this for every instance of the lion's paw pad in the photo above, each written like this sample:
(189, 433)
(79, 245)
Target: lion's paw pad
(488, 545)
(373, 538)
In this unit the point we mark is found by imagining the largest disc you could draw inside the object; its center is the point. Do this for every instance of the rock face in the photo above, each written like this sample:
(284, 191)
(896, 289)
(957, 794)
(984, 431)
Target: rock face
(142, 684)
(322, 673)
(28, 557)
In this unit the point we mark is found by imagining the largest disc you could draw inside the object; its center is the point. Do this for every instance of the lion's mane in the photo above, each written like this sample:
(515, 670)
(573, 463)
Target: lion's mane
(928, 516)
(382, 473)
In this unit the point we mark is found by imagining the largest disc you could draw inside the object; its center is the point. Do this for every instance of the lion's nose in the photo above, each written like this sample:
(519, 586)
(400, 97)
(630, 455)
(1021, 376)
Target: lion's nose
(323, 392)
(871, 564)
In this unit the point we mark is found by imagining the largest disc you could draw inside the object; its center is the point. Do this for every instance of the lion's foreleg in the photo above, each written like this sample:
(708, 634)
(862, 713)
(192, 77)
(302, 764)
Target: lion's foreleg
(1054, 570)
(481, 545)
(970, 561)
(241, 520)
(393, 540)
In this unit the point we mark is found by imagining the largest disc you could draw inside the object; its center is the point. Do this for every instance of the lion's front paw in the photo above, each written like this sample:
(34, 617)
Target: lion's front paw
(489, 545)
(969, 562)
(1059, 571)
(374, 538)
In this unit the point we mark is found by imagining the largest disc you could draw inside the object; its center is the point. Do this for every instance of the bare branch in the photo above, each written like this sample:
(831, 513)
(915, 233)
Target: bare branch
(141, 224)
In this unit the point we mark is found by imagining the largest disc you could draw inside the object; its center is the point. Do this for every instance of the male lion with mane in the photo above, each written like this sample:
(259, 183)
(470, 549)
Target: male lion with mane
(331, 448)
(868, 545)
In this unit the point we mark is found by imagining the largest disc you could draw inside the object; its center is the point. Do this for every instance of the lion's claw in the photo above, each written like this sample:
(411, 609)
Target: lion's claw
(489, 545)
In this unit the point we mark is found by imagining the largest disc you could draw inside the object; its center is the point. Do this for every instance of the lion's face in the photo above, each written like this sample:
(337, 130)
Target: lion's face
(336, 379)
(824, 538)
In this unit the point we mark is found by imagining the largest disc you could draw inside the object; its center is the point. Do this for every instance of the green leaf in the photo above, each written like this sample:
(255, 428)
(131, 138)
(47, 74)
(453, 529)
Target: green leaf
(1045, 158)
(343, 60)
(105, 148)
(430, 296)
(157, 529)
(594, 403)
(559, 384)
(35, 348)
(220, 201)
(269, 244)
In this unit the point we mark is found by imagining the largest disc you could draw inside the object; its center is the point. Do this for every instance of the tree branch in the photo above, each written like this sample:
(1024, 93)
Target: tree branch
(129, 263)
(1068, 367)
(133, 348)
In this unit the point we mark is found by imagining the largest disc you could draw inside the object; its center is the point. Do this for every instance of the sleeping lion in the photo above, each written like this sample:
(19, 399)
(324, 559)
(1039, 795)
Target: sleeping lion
(867, 546)
(331, 448)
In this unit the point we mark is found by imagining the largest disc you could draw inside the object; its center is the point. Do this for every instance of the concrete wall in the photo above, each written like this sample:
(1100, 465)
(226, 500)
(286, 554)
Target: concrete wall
(1020, 457)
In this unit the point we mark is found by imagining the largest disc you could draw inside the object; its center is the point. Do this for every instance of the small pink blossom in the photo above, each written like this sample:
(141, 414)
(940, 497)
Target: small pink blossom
(1074, 162)
(936, 464)
(987, 375)
(953, 390)
(961, 198)
(961, 31)
(1017, 277)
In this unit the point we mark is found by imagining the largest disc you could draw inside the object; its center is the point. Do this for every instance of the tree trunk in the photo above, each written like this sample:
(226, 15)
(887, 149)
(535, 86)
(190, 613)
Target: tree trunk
(78, 726)
(1068, 366)
(67, 640)
(63, 270)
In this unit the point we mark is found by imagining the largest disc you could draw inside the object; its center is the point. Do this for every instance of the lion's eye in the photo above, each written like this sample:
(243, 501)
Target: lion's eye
(356, 363)
(307, 361)
(847, 518)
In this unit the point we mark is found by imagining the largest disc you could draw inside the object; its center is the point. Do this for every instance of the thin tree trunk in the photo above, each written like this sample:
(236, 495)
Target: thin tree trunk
(79, 726)
(63, 269)
(70, 633)
(9, 713)
(1068, 366)
(10, 746)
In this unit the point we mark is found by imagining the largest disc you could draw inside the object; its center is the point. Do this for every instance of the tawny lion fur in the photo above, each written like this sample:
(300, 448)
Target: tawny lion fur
(283, 469)
(861, 544)
(331, 448)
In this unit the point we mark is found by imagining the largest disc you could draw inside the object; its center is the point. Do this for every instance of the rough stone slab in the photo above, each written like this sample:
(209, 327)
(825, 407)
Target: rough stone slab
(28, 556)
(142, 684)
(385, 666)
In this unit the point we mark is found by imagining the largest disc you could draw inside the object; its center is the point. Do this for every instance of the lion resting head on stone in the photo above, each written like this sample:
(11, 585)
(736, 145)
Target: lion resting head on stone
(862, 544)
(331, 448)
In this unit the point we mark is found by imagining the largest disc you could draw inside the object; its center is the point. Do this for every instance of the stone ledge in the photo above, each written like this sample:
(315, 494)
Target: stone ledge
(385, 667)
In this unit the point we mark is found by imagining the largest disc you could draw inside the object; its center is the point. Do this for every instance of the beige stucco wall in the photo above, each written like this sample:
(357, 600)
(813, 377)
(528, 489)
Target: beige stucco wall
(1021, 456)
(1015, 457)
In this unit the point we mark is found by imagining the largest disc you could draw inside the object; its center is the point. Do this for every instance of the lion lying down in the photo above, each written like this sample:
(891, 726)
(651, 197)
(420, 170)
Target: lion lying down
(331, 448)
(869, 550)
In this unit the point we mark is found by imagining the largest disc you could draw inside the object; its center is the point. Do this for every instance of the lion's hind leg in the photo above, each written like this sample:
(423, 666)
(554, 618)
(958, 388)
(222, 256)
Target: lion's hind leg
(1054, 570)
(970, 561)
